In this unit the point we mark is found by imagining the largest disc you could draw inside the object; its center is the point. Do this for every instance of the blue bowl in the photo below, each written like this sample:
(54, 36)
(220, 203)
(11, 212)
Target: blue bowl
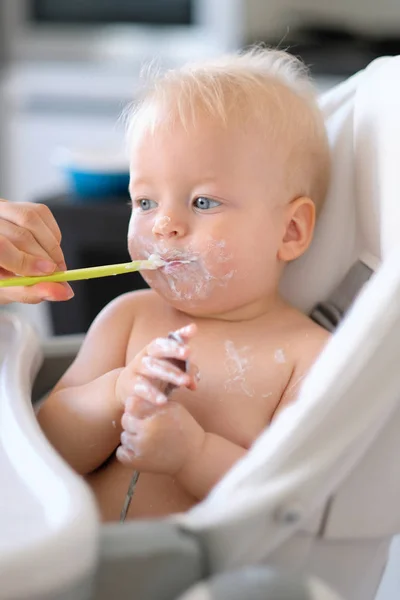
(92, 175)
(96, 186)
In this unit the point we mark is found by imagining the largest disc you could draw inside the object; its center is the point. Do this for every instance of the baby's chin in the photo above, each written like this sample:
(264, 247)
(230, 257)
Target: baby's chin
(187, 288)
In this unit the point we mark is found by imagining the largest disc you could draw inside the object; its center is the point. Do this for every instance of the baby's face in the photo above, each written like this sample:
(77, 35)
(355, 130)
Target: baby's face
(209, 201)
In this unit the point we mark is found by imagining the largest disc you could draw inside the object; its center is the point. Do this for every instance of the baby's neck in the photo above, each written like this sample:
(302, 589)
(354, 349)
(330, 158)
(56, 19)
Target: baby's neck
(249, 312)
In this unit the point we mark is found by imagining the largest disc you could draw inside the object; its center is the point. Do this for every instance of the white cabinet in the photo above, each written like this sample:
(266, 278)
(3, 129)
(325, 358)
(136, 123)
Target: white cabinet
(34, 136)
(48, 107)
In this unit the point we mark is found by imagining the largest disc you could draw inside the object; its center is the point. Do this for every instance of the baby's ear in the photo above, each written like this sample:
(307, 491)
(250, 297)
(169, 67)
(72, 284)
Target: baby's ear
(299, 216)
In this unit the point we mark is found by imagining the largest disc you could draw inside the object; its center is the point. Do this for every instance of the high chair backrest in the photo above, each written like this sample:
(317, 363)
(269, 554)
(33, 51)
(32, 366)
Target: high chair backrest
(357, 217)
(326, 469)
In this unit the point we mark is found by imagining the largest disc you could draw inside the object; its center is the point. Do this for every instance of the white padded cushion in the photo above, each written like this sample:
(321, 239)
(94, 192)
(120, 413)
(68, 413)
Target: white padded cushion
(363, 122)
(377, 151)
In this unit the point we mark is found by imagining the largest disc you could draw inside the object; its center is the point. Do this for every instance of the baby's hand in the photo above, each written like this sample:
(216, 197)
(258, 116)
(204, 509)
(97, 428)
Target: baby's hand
(158, 439)
(159, 434)
(30, 245)
(151, 371)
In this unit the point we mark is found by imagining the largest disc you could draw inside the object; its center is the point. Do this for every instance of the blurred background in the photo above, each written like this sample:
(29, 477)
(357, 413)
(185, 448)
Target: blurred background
(69, 67)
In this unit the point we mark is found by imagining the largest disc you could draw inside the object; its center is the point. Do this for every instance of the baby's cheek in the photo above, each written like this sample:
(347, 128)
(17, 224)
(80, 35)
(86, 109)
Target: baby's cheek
(138, 237)
(219, 259)
(132, 238)
(137, 246)
(132, 248)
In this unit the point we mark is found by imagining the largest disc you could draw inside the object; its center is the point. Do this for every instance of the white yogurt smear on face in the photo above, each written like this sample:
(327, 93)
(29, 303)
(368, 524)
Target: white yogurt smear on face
(157, 261)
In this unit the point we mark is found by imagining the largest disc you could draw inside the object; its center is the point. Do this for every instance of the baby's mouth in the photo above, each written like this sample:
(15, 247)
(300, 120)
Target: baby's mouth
(178, 261)
(176, 264)
(174, 259)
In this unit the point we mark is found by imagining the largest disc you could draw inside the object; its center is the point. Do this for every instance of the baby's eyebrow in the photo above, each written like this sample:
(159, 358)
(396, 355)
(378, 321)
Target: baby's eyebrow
(135, 183)
(205, 180)
(141, 180)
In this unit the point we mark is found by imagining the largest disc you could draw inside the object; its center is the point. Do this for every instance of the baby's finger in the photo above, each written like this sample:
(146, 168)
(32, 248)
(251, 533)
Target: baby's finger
(194, 374)
(187, 332)
(128, 440)
(136, 409)
(168, 348)
(147, 391)
(163, 370)
(126, 457)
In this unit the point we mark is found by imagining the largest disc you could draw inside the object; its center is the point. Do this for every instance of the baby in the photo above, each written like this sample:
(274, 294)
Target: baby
(229, 167)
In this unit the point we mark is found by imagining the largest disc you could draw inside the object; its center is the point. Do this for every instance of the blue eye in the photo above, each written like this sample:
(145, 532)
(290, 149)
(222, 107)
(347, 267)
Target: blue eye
(203, 203)
(145, 204)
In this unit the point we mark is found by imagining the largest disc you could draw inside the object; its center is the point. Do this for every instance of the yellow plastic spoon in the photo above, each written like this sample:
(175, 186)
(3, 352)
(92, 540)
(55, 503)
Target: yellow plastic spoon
(152, 263)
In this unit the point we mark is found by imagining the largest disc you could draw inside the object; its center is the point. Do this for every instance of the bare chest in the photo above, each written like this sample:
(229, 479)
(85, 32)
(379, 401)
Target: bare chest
(240, 385)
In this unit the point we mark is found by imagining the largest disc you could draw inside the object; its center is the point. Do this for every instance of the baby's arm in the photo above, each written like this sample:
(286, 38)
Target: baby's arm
(82, 417)
(306, 347)
(202, 471)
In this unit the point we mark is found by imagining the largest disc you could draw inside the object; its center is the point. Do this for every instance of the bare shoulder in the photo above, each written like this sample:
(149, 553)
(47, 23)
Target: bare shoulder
(104, 346)
(306, 342)
(125, 307)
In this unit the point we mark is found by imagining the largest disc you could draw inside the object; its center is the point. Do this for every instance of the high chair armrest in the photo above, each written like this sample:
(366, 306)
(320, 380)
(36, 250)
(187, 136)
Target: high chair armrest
(58, 354)
(48, 516)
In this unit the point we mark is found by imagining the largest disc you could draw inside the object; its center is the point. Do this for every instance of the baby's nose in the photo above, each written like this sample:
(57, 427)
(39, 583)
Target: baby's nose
(166, 226)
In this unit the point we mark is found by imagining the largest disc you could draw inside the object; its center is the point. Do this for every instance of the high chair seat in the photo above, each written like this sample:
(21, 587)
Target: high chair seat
(319, 491)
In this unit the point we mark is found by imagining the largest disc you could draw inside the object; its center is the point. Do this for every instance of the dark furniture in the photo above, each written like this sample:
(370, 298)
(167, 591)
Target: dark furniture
(93, 234)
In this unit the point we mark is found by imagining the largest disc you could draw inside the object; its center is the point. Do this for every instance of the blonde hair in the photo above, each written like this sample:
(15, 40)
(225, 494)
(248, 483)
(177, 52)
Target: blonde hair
(251, 84)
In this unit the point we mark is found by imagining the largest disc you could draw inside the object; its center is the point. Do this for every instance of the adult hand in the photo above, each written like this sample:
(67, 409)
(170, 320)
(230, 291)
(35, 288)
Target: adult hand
(30, 245)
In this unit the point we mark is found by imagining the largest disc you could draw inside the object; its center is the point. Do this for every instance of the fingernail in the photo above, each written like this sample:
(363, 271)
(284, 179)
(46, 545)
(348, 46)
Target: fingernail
(161, 399)
(69, 294)
(187, 328)
(44, 266)
(62, 266)
(69, 290)
(183, 380)
(129, 423)
(140, 388)
(124, 439)
(128, 404)
(125, 454)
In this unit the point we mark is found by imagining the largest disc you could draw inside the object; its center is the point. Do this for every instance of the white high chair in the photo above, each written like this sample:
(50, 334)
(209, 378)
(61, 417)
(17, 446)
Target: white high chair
(319, 492)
